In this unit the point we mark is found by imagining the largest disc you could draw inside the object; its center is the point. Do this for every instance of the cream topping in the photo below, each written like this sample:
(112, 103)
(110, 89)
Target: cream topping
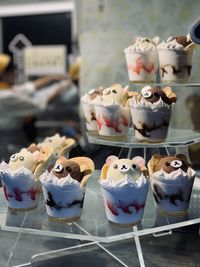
(134, 102)
(141, 45)
(171, 44)
(50, 178)
(175, 177)
(126, 181)
(5, 169)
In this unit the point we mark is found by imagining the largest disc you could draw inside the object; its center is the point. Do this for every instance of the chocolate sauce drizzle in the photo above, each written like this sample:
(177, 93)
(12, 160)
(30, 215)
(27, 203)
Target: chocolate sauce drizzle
(145, 129)
(159, 194)
(174, 69)
(52, 204)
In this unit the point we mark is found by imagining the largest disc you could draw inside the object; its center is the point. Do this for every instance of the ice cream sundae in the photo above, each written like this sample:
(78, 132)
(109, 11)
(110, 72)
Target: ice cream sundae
(124, 189)
(175, 56)
(20, 178)
(64, 187)
(151, 113)
(88, 101)
(112, 112)
(142, 60)
(172, 180)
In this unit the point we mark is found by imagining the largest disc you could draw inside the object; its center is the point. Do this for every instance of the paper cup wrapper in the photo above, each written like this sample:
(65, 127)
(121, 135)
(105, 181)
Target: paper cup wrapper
(174, 66)
(21, 191)
(124, 205)
(172, 198)
(151, 125)
(113, 120)
(63, 203)
(142, 67)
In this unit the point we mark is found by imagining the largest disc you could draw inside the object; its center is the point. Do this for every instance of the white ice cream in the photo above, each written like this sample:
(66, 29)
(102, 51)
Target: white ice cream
(141, 45)
(171, 44)
(127, 181)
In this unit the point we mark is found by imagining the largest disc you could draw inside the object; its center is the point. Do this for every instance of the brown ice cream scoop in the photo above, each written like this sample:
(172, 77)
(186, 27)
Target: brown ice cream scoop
(168, 163)
(152, 95)
(64, 166)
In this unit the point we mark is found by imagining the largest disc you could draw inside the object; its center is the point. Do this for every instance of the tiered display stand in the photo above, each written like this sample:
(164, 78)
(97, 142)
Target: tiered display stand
(93, 226)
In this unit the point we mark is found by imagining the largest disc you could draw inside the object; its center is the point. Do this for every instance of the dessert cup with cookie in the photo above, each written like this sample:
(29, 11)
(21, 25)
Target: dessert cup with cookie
(151, 113)
(88, 101)
(124, 189)
(142, 60)
(112, 113)
(60, 145)
(176, 58)
(64, 187)
(20, 178)
(172, 181)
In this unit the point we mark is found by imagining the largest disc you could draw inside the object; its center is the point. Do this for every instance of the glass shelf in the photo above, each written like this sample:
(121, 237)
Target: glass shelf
(176, 137)
(93, 225)
(164, 84)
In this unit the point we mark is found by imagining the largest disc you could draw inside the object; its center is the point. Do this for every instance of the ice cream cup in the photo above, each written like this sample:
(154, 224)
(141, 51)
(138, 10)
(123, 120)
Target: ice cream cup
(21, 191)
(151, 124)
(113, 121)
(64, 197)
(172, 195)
(142, 66)
(90, 117)
(175, 65)
(63, 203)
(125, 205)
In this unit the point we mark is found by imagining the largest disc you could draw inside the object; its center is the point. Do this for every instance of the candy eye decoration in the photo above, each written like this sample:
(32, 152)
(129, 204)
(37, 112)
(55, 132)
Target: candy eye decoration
(14, 157)
(134, 166)
(115, 166)
(21, 158)
(176, 163)
(58, 168)
(114, 91)
(147, 94)
(106, 91)
(91, 92)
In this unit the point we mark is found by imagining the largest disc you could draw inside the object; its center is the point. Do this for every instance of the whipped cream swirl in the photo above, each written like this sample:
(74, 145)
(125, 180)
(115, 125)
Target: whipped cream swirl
(177, 177)
(141, 45)
(126, 181)
(171, 44)
(50, 178)
(134, 102)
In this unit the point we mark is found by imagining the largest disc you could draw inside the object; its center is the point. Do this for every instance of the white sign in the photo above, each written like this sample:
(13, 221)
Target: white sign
(44, 60)
(16, 46)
